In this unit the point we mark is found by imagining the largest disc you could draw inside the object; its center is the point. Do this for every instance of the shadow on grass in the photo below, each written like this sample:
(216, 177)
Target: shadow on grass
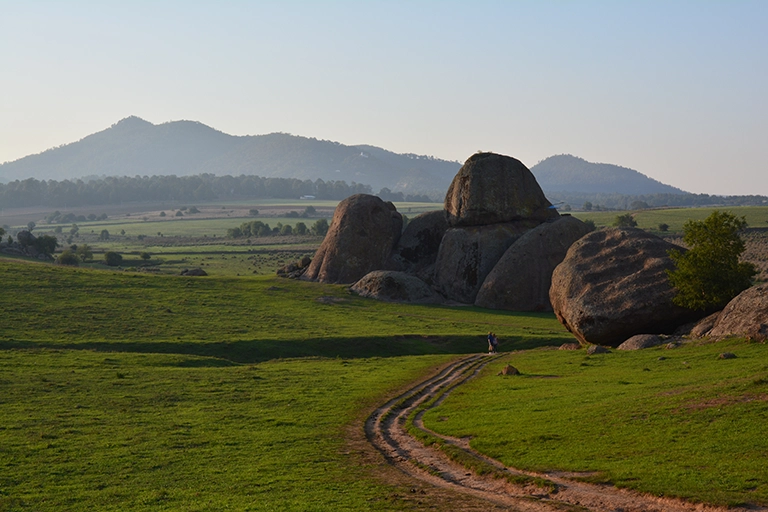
(254, 351)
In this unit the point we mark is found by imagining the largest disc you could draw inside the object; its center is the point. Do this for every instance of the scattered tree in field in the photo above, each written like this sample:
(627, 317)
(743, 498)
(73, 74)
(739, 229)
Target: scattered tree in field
(58, 230)
(625, 221)
(145, 256)
(179, 213)
(194, 210)
(286, 230)
(162, 214)
(122, 232)
(663, 227)
(590, 224)
(587, 206)
(84, 252)
(69, 258)
(320, 227)
(104, 235)
(2, 232)
(73, 231)
(300, 229)
(709, 274)
(112, 258)
(308, 211)
(253, 212)
(31, 225)
(46, 244)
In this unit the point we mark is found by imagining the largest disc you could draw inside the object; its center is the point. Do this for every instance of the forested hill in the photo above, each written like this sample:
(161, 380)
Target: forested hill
(567, 173)
(184, 148)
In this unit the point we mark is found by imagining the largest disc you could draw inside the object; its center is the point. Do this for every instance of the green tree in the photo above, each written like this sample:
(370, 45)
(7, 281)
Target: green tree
(663, 226)
(84, 252)
(104, 235)
(320, 227)
(145, 256)
(710, 274)
(2, 232)
(300, 229)
(31, 225)
(112, 258)
(587, 206)
(68, 257)
(625, 221)
(46, 244)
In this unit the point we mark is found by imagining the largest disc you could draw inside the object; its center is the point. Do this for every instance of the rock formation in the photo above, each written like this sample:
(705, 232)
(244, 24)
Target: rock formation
(468, 254)
(491, 189)
(363, 232)
(394, 286)
(417, 248)
(612, 285)
(746, 315)
(521, 279)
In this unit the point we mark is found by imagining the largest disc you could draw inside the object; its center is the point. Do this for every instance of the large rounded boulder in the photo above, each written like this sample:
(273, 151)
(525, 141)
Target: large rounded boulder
(746, 315)
(468, 254)
(363, 232)
(394, 286)
(521, 279)
(613, 285)
(491, 188)
(420, 241)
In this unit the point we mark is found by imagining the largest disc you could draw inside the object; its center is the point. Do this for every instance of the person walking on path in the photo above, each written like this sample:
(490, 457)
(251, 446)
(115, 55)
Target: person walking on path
(493, 343)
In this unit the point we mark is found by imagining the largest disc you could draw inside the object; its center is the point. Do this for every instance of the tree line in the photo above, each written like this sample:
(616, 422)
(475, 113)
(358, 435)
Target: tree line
(202, 187)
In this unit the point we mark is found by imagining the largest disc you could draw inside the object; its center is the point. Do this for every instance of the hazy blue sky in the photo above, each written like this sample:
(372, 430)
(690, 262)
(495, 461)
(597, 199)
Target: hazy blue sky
(677, 90)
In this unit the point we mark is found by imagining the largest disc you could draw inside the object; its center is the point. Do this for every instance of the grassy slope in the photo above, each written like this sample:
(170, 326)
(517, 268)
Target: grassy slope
(675, 422)
(126, 392)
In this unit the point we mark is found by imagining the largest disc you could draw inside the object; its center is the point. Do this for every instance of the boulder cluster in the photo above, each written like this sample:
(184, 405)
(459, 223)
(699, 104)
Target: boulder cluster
(495, 243)
(498, 243)
(24, 245)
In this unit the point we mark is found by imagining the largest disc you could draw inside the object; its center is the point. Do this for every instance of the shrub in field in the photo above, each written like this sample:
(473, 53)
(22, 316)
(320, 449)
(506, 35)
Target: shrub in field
(320, 227)
(104, 235)
(46, 244)
(68, 258)
(625, 221)
(709, 275)
(145, 256)
(663, 226)
(112, 258)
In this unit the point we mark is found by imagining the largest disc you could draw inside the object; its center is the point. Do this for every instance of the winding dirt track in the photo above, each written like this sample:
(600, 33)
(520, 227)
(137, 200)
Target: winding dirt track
(385, 430)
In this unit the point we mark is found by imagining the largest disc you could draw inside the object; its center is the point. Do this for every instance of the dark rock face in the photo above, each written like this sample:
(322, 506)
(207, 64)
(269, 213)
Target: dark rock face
(394, 286)
(521, 279)
(419, 243)
(641, 341)
(467, 255)
(491, 189)
(746, 315)
(363, 232)
(612, 285)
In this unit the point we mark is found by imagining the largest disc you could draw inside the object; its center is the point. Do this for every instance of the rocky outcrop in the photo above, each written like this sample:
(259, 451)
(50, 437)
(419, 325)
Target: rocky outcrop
(520, 281)
(420, 241)
(746, 315)
(394, 286)
(363, 232)
(612, 285)
(468, 254)
(492, 189)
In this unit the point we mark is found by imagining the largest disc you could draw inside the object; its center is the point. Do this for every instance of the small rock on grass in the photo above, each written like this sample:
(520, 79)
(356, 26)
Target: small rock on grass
(569, 346)
(509, 370)
(727, 355)
(597, 349)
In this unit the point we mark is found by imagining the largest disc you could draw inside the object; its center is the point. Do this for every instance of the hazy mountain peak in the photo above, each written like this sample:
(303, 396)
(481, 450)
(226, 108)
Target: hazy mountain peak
(568, 173)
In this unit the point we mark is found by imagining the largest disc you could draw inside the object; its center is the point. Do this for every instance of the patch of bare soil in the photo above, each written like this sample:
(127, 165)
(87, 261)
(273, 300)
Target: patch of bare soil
(438, 483)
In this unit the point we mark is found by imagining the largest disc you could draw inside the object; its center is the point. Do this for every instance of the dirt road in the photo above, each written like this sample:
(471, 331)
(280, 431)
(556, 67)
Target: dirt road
(386, 430)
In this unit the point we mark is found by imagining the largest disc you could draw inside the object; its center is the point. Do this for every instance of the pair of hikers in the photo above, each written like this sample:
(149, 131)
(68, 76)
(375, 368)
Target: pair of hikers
(493, 343)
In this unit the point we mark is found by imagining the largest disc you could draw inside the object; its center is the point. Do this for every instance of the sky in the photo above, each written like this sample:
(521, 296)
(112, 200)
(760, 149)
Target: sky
(677, 90)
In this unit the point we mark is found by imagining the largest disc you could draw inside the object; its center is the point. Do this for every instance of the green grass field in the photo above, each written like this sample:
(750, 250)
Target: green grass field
(757, 217)
(677, 422)
(124, 390)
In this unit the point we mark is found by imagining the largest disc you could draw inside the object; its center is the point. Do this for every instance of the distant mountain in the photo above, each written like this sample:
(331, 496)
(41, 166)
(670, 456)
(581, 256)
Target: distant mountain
(134, 146)
(571, 174)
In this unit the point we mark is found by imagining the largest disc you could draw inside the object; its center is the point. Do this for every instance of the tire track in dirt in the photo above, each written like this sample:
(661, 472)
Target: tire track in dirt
(386, 430)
